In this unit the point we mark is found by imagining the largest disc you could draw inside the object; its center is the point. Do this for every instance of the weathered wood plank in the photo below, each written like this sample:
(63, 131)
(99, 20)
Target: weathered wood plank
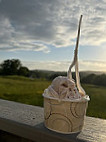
(27, 121)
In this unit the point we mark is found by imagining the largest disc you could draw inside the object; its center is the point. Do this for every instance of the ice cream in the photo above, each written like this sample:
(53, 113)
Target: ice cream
(65, 101)
(63, 88)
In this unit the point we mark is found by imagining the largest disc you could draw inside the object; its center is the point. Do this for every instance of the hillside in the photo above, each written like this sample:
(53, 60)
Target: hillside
(29, 91)
(47, 72)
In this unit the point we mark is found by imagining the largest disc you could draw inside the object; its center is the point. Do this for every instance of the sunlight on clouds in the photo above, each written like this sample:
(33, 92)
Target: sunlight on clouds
(50, 65)
(64, 65)
(93, 65)
(46, 26)
(51, 22)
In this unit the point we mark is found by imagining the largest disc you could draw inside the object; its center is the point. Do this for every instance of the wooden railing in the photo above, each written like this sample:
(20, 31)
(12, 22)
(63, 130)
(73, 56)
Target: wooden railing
(25, 123)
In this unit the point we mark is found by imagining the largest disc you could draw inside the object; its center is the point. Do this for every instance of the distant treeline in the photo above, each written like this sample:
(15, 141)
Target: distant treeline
(49, 75)
(87, 79)
(95, 79)
(14, 67)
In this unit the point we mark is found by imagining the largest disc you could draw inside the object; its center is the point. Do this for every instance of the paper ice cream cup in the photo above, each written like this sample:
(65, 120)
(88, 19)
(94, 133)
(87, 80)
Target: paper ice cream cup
(65, 116)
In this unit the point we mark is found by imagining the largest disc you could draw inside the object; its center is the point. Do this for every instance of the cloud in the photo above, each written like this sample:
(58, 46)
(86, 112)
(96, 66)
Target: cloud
(37, 24)
(93, 65)
(64, 65)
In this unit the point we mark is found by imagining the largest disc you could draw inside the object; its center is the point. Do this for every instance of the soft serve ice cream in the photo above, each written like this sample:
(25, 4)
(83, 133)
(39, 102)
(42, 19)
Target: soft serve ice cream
(65, 101)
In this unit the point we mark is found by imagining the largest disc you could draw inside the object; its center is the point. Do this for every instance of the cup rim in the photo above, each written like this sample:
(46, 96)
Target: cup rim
(86, 98)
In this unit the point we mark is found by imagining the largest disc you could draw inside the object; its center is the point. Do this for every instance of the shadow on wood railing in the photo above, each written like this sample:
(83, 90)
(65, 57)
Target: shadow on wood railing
(24, 123)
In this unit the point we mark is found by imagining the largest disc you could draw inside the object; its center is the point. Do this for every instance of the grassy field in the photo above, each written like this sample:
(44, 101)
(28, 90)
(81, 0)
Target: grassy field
(28, 91)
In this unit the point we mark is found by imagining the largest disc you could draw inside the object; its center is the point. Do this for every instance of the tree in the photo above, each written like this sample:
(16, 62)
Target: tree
(24, 71)
(10, 67)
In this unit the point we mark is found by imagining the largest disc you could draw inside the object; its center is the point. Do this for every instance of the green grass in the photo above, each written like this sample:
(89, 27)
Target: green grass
(24, 90)
(97, 103)
(28, 91)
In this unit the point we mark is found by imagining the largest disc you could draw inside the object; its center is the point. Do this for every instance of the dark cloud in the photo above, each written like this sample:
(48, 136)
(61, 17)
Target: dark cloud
(48, 21)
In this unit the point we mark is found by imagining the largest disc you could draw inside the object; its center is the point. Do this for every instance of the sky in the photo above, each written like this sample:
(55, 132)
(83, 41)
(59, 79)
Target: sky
(42, 33)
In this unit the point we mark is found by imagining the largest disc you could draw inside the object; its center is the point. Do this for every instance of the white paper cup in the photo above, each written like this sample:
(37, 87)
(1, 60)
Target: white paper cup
(65, 116)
